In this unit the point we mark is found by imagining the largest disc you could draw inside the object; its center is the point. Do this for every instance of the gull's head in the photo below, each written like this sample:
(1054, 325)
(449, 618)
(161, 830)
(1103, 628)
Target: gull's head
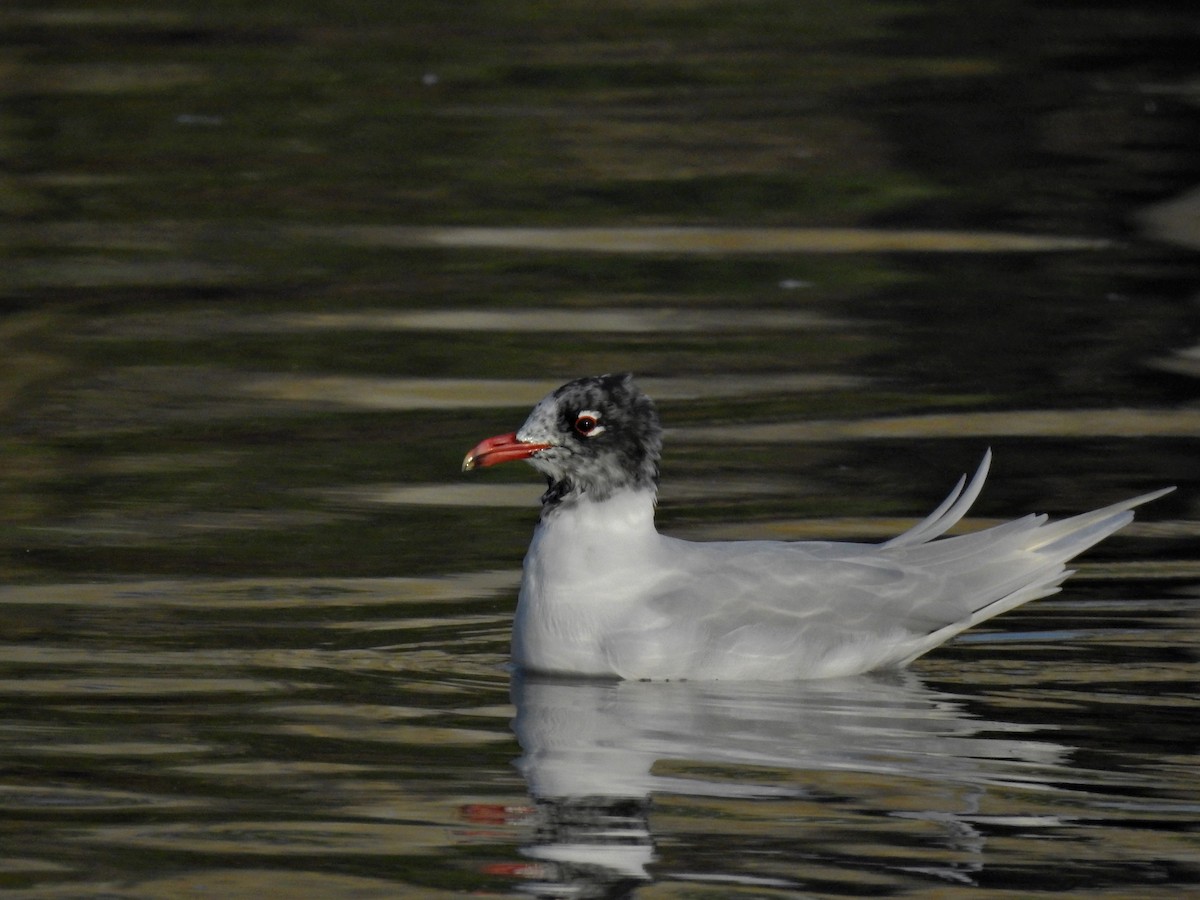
(592, 437)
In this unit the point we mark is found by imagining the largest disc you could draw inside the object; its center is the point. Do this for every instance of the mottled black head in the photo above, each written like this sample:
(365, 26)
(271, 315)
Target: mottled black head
(604, 436)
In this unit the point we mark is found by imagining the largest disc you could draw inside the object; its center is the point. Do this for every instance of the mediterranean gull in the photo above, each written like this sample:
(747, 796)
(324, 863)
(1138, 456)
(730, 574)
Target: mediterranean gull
(604, 594)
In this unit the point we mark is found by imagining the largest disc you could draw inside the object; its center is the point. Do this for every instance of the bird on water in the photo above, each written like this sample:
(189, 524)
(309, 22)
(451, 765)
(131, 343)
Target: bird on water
(604, 594)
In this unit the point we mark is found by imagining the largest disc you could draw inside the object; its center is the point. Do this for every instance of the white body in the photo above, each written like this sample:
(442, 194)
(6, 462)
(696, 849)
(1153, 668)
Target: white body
(604, 594)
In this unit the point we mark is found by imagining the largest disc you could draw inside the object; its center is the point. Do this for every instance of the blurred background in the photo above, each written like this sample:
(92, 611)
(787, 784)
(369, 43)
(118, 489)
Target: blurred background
(269, 270)
(239, 293)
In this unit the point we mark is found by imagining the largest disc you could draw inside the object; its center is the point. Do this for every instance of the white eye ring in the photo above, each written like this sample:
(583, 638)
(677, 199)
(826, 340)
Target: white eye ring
(587, 423)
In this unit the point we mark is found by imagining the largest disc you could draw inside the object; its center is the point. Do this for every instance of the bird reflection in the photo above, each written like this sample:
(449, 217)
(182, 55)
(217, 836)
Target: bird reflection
(596, 752)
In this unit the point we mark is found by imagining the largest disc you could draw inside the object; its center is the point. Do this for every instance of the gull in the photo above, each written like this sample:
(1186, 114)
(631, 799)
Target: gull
(603, 594)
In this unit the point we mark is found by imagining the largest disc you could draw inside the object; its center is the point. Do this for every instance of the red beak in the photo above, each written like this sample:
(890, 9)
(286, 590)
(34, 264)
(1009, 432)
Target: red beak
(498, 449)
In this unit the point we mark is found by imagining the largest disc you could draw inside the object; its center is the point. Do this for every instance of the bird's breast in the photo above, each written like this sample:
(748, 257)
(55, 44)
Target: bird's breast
(583, 580)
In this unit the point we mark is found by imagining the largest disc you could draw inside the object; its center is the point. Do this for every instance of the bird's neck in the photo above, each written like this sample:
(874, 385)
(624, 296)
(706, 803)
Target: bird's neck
(628, 511)
(565, 493)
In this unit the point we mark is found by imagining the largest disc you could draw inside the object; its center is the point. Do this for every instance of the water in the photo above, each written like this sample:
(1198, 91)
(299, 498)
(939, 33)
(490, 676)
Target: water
(270, 272)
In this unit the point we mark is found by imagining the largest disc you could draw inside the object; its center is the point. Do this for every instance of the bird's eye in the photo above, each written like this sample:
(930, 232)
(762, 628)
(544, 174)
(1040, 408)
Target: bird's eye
(588, 424)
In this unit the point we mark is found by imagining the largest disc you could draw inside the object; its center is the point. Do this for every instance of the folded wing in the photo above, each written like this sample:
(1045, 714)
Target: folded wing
(767, 609)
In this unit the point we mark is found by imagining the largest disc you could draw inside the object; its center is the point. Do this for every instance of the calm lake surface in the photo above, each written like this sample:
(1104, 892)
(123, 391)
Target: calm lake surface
(271, 269)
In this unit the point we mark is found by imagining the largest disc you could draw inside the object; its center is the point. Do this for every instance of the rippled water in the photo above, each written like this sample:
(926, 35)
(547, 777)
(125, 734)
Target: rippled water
(270, 272)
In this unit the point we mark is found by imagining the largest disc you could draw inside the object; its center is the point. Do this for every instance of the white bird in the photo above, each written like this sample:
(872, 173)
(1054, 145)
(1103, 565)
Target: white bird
(604, 594)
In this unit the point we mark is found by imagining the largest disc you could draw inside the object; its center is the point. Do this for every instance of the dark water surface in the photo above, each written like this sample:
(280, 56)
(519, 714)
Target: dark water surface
(270, 269)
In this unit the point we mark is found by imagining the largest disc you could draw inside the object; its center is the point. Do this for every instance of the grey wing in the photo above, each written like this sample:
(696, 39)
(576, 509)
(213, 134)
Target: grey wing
(839, 608)
(767, 610)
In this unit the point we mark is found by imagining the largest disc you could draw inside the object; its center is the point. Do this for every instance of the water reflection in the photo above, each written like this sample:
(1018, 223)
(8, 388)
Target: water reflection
(704, 240)
(595, 753)
(473, 393)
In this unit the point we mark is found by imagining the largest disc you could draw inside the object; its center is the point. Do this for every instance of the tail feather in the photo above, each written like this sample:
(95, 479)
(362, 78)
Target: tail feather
(1043, 584)
(992, 571)
(1103, 521)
